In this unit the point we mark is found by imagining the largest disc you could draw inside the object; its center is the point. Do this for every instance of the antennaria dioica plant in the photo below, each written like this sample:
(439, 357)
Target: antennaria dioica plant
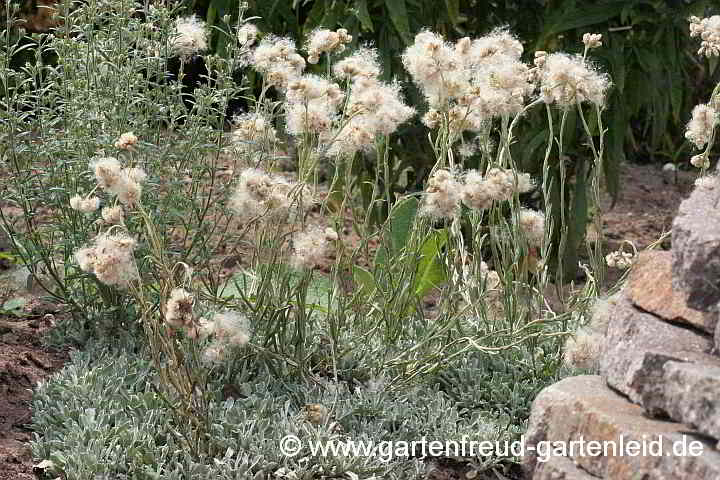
(134, 199)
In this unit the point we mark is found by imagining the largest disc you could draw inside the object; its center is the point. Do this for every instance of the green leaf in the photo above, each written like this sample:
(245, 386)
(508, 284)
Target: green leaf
(581, 16)
(364, 281)
(399, 16)
(362, 14)
(453, 11)
(578, 221)
(431, 271)
(397, 229)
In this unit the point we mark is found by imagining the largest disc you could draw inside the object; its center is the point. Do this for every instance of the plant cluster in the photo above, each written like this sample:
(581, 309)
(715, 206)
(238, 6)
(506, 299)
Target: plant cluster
(217, 269)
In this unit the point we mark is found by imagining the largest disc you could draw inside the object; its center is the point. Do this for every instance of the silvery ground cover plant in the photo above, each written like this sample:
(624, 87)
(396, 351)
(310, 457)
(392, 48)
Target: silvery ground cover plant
(229, 277)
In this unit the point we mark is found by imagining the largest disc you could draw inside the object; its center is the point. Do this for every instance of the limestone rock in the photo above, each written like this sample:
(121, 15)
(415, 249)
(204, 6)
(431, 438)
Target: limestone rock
(560, 468)
(583, 409)
(696, 249)
(637, 346)
(651, 289)
(692, 395)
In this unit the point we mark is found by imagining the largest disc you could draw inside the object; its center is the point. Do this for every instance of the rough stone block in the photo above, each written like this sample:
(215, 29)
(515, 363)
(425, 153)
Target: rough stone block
(583, 409)
(692, 395)
(560, 468)
(696, 249)
(651, 289)
(638, 345)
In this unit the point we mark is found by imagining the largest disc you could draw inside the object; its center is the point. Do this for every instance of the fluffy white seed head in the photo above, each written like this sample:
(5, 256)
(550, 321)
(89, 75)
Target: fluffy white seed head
(258, 193)
(83, 204)
(592, 40)
(247, 34)
(252, 132)
(621, 260)
(362, 63)
(700, 128)
(499, 43)
(700, 161)
(312, 87)
(179, 309)
(126, 141)
(113, 215)
(532, 223)
(442, 196)
(190, 36)
(107, 171)
(278, 60)
(311, 246)
(431, 61)
(582, 350)
(111, 259)
(326, 41)
(566, 80)
(708, 29)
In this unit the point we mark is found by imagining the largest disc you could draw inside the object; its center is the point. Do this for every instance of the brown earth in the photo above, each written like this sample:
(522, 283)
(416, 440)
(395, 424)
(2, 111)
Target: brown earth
(24, 362)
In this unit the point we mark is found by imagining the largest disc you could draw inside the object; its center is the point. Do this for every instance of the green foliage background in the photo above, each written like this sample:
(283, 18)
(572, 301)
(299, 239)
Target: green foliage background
(647, 51)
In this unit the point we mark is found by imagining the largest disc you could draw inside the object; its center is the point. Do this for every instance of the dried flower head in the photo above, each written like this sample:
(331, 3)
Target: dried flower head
(362, 63)
(708, 29)
(179, 309)
(278, 60)
(84, 204)
(252, 132)
(532, 223)
(498, 185)
(592, 40)
(376, 108)
(190, 36)
(247, 34)
(228, 327)
(621, 260)
(326, 41)
(431, 61)
(583, 349)
(113, 215)
(126, 141)
(566, 80)
(540, 58)
(258, 193)
(316, 413)
(700, 161)
(442, 196)
(700, 128)
(110, 258)
(310, 247)
(107, 171)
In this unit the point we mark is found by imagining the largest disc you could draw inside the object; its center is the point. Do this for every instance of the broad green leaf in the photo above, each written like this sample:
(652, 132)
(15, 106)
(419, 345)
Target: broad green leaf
(364, 281)
(581, 17)
(397, 229)
(453, 10)
(362, 14)
(431, 271)
(399, 16)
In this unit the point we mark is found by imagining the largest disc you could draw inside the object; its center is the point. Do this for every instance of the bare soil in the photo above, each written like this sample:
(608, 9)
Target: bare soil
(24, 362)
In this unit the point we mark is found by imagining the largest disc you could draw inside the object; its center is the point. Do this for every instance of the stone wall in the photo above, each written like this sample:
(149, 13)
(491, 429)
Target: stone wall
(659, 381)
